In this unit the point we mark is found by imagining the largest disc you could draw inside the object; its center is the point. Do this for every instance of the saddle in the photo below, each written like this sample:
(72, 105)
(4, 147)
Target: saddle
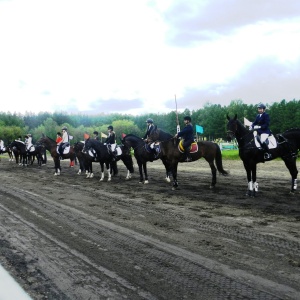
(193, 147)
(31, 149)
(155, 150)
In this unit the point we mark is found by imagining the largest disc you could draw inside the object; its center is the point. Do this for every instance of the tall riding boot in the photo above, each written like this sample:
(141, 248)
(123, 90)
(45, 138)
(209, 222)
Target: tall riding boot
(187, 154)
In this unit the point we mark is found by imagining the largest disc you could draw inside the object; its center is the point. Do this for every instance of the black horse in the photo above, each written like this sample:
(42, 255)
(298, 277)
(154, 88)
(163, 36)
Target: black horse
(19, 149)
(172, 153)
(98, 152)
(143, 154)
(39, 152)
(288, 144)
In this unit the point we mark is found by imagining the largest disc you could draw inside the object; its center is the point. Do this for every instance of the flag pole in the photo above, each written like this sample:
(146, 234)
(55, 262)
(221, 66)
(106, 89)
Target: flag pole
(178, 126)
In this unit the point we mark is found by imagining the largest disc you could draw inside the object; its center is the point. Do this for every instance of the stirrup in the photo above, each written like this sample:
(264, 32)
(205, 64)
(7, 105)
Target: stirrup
(267, 156)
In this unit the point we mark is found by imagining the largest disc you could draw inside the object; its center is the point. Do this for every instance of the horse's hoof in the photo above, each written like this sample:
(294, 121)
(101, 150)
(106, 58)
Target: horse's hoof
(168, 179)
(101, 180)
(109, 179)
(146, 182)
(212, 186)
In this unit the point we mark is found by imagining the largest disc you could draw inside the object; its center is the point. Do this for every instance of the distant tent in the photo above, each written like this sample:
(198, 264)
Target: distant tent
(103, 135)
(247, 122)
(86, 136)
(123, 135)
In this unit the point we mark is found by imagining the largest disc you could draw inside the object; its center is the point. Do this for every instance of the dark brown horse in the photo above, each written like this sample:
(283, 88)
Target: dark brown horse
(171, 153)
(288, 145)
(51, 146)
(8, 150)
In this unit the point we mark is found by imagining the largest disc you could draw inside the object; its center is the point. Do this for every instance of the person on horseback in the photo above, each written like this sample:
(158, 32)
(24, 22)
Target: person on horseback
(65, 139)
(58, 138)
(261, 125)
(150, 128)
(111, 141)
(1, 145)
(187, 133)
(28, 141)
(96, 135)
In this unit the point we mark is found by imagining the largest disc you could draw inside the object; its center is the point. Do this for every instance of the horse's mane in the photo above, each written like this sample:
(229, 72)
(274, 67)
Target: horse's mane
(162, 135)
(292, 130)
(131, 135)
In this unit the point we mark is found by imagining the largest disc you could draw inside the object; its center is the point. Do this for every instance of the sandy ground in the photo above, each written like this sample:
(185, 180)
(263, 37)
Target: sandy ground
(68, 237)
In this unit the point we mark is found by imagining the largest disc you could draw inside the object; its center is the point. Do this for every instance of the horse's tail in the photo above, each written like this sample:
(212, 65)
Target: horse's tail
(219, 162)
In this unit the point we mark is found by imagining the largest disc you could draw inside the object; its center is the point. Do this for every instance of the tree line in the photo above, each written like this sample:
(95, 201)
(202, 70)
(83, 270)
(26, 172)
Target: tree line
(212, 117)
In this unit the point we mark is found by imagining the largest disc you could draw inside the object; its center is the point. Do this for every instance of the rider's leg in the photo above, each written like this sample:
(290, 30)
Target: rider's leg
(187, 147)
(264, 145)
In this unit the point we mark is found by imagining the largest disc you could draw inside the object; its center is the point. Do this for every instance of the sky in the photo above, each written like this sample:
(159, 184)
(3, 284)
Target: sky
(136, 56)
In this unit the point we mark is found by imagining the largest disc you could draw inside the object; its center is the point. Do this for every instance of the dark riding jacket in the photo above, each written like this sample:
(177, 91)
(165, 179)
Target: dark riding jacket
(262, 120)
(150, 128)
(111, 139)
(187, 133)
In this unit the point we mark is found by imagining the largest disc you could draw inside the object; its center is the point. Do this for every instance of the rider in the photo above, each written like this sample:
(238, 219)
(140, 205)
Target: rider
(58, 138)
(150, 128)
(1, 145)
(28, 141)
(187, 133)
(111, 140)
(65, 139)
(96, 135)
(261, 124)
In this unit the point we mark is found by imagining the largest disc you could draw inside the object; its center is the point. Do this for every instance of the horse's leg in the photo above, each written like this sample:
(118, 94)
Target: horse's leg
(128, 176)
(145, 173)
(292, 167)
(141, 171)
(102, 172)
(174, 166)
(168, 171)
(249, 178)
(56, 166)
(213, 173)
(108, 171)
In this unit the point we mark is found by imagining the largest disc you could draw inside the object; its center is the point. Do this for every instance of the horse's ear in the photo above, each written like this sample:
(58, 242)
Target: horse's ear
(43, 135)
(227, 117)
(235, 117)
(155, 127)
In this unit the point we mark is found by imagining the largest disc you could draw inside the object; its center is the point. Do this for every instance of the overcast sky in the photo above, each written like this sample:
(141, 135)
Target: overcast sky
(134, 56)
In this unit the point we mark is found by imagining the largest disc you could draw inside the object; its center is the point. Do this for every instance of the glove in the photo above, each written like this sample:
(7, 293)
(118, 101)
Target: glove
(256, 127)
(250, 128)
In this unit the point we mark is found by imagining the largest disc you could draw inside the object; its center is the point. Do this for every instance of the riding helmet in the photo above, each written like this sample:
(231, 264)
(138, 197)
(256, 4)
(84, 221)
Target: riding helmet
(96, 132)
(110, 127)
(64, 128)
(149, 121)
(261, 105)
(58, 133)
(188, 118)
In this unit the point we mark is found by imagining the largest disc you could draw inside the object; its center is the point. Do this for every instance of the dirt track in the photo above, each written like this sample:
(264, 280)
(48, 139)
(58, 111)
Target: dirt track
(68, 237)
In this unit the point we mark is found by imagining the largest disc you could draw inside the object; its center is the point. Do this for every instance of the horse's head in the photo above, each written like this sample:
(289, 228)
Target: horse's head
(232, 127)
(87, 145)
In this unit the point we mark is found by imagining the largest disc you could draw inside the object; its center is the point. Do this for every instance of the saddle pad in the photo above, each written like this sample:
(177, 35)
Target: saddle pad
(66, 150)
(272, 142)
(193, 149)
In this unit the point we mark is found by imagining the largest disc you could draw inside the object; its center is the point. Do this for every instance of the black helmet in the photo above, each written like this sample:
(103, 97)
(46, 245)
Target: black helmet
(188, 118)
(149, 121)
(58, 133)
(96, 132)
(64, 128)
(261, 105)
(110, 127)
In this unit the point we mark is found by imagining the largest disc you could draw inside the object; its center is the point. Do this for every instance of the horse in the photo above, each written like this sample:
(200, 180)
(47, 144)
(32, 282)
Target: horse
(8, 150)
(143, 154)
(97, 151)
(39, 151)
(288, 144)
(51, 146)
(20, 152)
(172, 152)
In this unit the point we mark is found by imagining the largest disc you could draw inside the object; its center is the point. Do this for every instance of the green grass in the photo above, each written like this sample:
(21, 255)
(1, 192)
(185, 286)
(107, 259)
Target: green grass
(230, 154)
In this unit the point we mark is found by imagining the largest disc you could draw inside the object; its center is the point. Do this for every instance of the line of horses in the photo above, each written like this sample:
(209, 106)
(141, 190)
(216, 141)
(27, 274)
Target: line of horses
(168, 150)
